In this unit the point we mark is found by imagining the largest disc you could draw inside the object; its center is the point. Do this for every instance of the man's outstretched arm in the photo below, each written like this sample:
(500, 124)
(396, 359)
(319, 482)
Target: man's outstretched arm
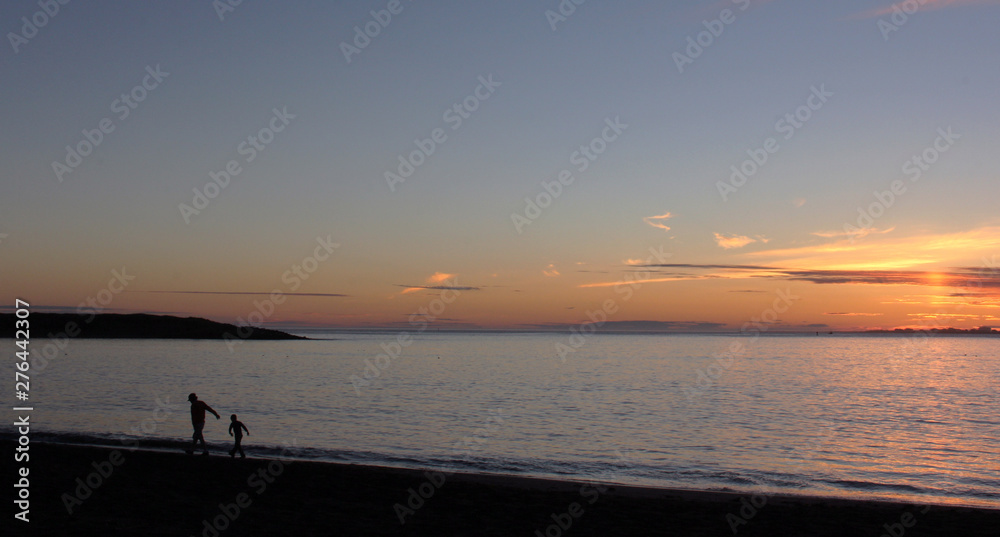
(212, 410)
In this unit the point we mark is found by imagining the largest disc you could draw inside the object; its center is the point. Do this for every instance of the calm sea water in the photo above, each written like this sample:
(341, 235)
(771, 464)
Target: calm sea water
(849, 416)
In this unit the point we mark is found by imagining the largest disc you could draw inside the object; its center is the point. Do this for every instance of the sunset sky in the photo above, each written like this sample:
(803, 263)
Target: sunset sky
(863, 138)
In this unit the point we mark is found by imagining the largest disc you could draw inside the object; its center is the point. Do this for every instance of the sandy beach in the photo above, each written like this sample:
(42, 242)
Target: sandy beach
(122, 492)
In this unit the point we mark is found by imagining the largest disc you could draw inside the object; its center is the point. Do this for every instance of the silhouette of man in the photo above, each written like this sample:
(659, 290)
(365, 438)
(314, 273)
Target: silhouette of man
(198, 409)
(237, 427)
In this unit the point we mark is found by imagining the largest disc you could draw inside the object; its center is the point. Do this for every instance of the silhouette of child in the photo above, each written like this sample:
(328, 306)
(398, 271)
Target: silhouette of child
(236, 429)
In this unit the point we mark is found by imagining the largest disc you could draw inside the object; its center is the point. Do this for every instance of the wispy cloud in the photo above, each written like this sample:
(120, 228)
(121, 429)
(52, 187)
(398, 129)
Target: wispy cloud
(887, 251)
(76, 310)
(855, 234)
(852, 314)
(550, 270)
(247, 293)
(439, 277)
(658, 221)
(702, 266)
(732, 241)
(650, 280)
(924, 5)
(436, 278)
(962, 277)
(414, 288)
(986, 281)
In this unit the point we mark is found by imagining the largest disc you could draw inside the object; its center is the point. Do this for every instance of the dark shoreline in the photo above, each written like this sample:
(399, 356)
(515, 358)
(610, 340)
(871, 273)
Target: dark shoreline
(136, 326)
(158, 493)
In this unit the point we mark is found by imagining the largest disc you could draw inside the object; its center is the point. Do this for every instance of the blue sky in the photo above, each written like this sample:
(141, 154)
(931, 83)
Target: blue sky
(323, 175)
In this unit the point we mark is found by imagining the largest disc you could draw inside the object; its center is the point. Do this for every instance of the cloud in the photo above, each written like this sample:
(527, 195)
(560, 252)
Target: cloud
(958, 278)
(651, 280)
(884, 251)
(550, 270)
(880, 260)
(247, 293)
(437, 277)
(658, 221)
(855, 234)
(798, 202)
(924, 5)
(415, 288)
(732, 241)
(76, 310)
(700, 266)
(853, 314)
(986, 280)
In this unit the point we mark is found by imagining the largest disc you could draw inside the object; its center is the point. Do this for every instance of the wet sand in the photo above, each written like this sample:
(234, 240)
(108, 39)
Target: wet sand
(158, 493)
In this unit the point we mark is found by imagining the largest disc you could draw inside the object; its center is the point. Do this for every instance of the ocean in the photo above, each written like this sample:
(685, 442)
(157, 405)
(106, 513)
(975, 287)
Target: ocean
(856, 416)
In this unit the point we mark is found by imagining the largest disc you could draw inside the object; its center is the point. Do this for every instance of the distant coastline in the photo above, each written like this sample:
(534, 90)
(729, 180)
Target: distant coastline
(622, 332)
(136, 326)
(981, 331)
(149, 326)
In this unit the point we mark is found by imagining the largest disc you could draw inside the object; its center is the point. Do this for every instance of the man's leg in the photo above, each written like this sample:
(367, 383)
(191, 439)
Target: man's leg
(194, 438)
(199, 437)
